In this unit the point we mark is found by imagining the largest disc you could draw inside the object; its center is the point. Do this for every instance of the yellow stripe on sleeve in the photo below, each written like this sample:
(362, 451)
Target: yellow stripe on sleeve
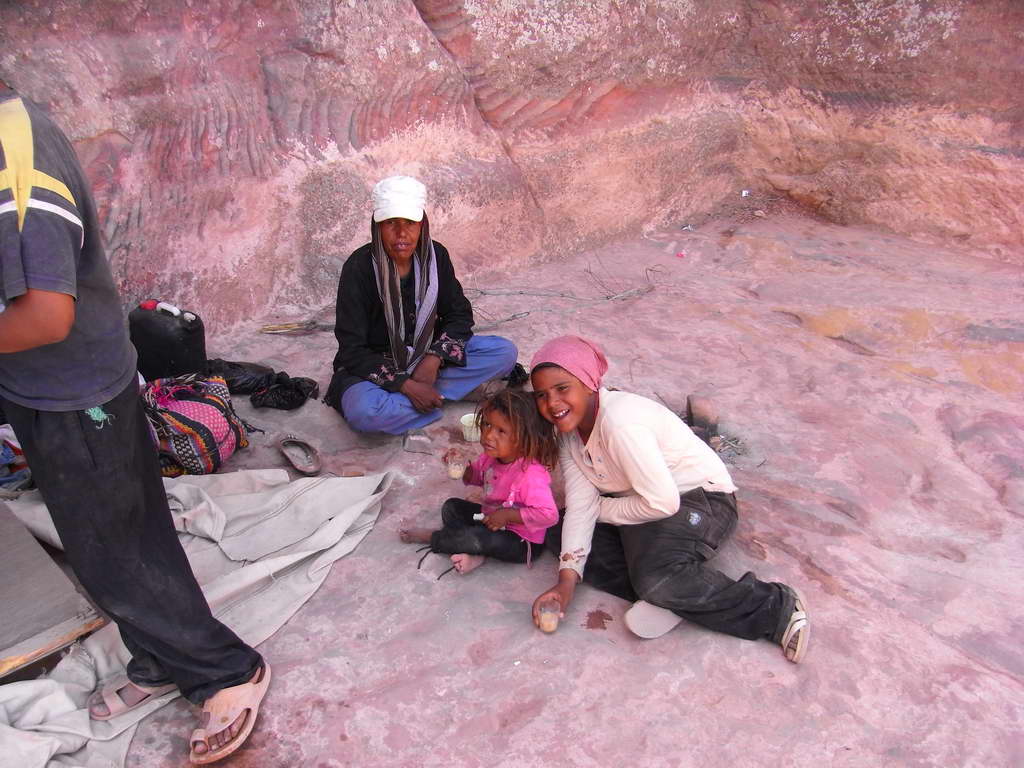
(20, 174)
(40, 179)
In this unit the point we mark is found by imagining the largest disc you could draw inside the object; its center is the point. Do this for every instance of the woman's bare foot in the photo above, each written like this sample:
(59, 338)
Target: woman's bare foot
(415, 535)
(466, 563)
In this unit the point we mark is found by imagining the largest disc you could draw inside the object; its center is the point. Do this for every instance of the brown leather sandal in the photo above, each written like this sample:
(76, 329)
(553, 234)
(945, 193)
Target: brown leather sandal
(303, 456)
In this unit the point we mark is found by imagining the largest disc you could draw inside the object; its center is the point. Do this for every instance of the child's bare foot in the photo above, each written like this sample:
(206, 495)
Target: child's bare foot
(466, 563)
(415, 535)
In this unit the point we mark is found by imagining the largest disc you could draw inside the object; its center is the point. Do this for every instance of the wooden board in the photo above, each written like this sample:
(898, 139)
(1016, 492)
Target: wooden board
(41, 610)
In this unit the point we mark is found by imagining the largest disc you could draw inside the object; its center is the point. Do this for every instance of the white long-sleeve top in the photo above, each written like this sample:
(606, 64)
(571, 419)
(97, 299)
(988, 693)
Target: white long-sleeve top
(641, 452)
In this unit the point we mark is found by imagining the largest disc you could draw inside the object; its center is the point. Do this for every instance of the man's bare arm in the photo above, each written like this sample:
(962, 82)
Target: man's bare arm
(34, 319)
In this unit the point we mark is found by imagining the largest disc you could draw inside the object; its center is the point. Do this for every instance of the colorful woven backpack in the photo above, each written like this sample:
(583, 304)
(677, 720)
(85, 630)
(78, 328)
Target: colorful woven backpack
(193, 423)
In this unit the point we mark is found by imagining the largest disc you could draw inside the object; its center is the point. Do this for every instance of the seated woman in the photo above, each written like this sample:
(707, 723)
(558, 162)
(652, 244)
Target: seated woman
(647, 504)
(404, 327)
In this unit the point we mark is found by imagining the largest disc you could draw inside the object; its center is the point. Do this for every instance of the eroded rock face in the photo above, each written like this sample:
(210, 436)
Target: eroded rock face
(233, 144)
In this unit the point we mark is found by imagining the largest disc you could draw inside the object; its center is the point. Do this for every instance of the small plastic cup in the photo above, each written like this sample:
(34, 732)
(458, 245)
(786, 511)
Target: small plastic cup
(470, 431)
(548, 613)
(456, 467)
(455, 462)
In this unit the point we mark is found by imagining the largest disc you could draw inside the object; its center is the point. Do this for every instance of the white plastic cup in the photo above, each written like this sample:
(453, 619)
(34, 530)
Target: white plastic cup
(547, 613)
(470, 431)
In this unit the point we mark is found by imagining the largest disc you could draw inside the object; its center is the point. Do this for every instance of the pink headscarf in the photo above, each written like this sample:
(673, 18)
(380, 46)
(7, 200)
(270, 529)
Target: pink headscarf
(582, 358)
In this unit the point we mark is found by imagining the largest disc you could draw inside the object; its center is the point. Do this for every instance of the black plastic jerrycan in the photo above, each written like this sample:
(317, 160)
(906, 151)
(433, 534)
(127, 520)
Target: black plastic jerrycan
(170, 342)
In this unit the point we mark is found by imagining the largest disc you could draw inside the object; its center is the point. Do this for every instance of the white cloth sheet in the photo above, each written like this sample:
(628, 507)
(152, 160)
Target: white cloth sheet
(260, 546)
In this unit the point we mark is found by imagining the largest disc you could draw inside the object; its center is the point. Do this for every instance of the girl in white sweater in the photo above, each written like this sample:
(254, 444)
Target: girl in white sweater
(647, 504)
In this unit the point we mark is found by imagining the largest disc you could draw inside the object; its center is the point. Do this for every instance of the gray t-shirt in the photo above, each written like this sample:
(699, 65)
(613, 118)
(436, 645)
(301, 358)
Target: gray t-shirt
(50, 240)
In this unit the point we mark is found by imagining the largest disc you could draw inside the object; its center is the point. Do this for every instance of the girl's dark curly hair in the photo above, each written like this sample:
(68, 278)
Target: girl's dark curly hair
(534, 436)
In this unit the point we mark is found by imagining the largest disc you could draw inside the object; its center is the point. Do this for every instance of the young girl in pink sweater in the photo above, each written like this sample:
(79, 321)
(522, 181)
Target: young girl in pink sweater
(518, 450)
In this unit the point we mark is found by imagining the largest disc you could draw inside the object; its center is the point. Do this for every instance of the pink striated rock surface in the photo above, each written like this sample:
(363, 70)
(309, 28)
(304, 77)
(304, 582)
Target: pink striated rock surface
(869, 388)
(232, 139)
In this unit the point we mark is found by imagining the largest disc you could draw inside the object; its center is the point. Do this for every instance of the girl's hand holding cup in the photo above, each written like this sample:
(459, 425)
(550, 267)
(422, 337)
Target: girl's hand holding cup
(548, 613)
(551, 605)
(456, 462)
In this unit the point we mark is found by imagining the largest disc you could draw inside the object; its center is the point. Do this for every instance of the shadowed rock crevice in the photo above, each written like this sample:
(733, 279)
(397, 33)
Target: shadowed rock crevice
(446, 21)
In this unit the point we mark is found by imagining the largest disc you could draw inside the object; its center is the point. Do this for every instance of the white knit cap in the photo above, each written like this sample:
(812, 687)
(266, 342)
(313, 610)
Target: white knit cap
(399, 197)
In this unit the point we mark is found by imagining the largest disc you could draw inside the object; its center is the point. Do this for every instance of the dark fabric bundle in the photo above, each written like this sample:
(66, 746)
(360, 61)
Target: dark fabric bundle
(241, 378)
(266, 387)
(285, 392)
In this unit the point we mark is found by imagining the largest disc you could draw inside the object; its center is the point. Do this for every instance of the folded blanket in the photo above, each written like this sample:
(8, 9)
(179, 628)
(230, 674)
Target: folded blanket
(260, 546)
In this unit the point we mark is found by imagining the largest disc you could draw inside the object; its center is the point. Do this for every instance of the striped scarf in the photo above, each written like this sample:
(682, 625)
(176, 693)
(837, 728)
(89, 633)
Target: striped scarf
(389, 289)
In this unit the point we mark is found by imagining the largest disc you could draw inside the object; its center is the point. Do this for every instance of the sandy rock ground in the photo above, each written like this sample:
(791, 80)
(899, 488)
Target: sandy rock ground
(870, 389)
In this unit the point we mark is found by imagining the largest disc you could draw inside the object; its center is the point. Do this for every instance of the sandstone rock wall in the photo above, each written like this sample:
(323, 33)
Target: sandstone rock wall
(233, 144)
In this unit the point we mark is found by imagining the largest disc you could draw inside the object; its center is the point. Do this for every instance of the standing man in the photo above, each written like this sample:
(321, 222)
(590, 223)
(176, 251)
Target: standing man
(404, 326)
(68, 386)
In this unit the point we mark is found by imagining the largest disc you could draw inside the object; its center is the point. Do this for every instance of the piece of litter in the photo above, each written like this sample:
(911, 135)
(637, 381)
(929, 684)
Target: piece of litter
(760, 214)
(745, 193)
(296, 329)
(687, 227)
(515, 663)
(417, 441)
(681, 255)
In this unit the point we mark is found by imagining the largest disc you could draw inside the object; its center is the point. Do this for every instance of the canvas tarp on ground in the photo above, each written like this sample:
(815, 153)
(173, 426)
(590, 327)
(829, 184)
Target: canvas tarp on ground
(259, 544)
